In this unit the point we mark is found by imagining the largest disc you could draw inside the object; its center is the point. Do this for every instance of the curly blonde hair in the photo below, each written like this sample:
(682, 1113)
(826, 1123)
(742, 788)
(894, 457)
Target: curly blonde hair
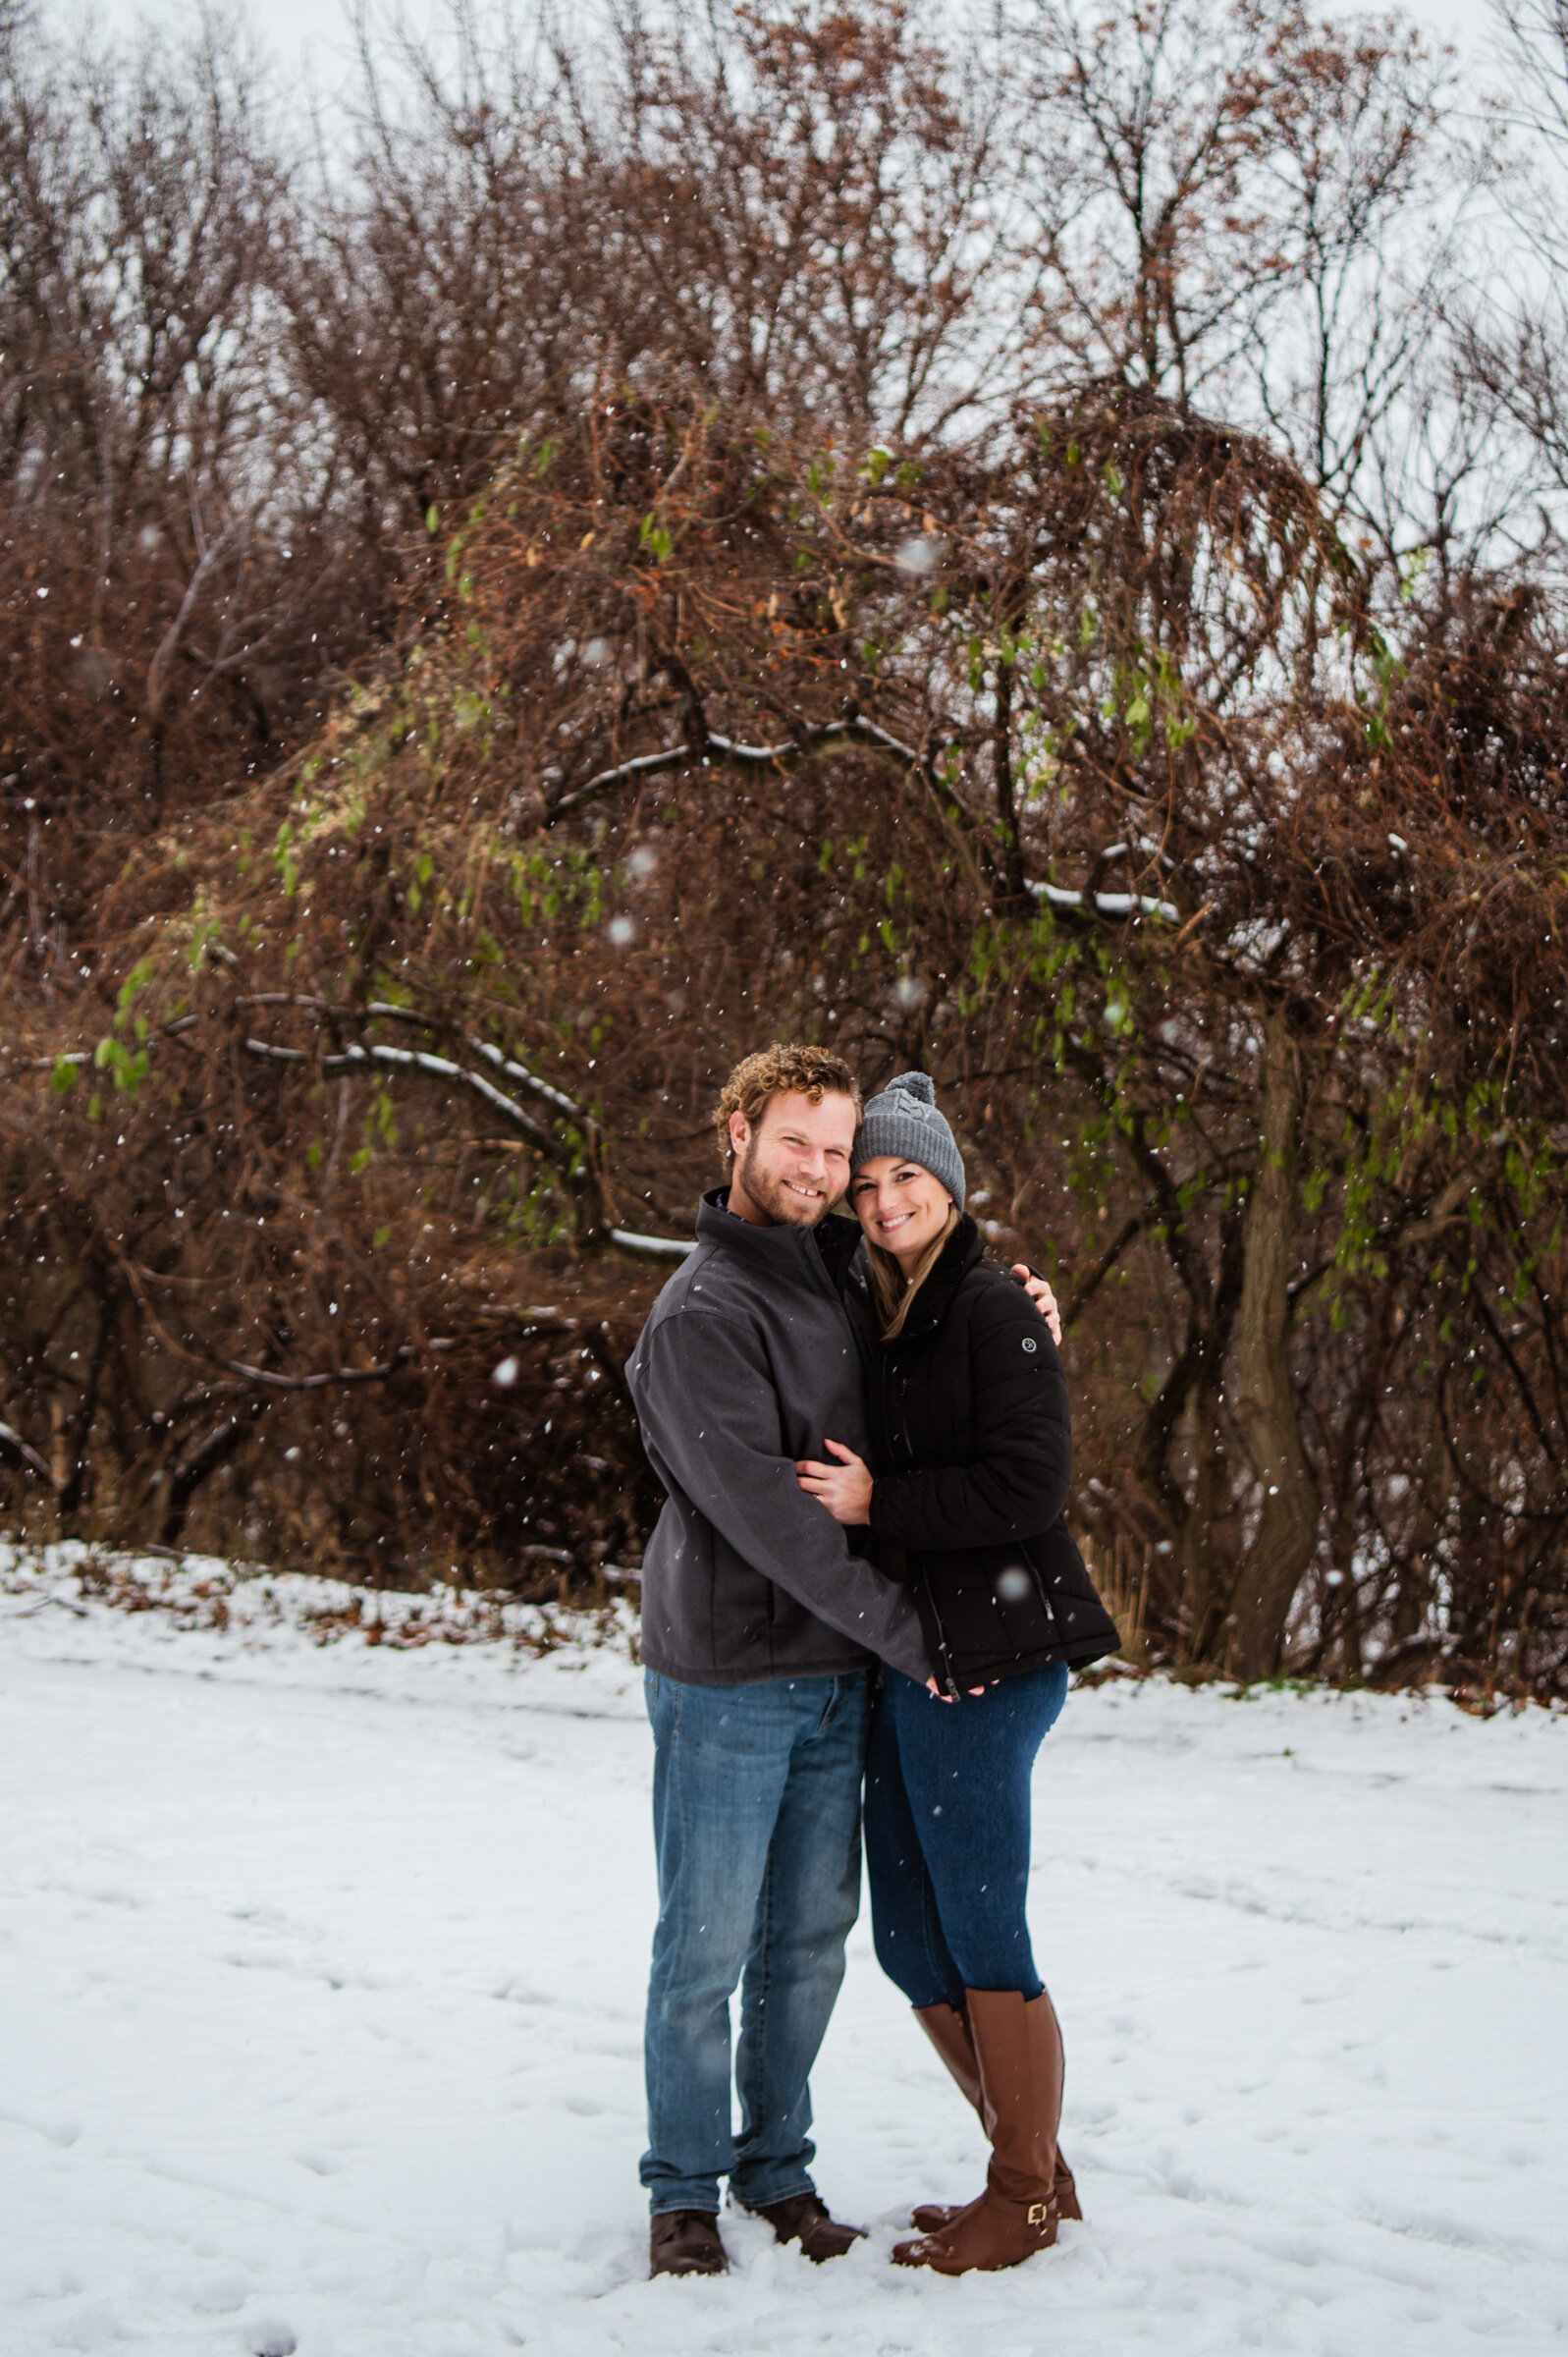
(816, 1072)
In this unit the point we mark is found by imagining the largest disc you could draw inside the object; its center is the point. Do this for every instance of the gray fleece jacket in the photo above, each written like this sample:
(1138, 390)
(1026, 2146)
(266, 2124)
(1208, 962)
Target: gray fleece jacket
(747, 1363)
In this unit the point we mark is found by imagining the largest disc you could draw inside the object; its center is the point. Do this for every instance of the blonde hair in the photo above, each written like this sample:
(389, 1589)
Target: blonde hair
(892, 1295)
(787, 1065)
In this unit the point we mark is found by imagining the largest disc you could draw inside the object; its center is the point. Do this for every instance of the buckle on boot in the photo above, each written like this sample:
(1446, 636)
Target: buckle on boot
(1038, 2213)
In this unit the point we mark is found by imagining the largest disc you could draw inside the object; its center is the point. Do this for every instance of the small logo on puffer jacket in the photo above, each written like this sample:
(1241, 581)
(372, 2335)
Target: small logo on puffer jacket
(1028, 1343)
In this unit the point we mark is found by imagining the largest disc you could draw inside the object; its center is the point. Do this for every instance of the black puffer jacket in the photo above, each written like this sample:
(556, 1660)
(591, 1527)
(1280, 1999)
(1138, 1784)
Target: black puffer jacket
(972, 1450)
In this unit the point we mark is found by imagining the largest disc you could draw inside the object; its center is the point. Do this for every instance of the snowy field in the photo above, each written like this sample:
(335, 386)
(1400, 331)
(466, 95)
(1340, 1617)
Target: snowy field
(321, 1971)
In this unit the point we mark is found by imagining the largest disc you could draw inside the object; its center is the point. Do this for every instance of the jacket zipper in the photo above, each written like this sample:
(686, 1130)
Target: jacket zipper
(943, 1669)
(946, 1679)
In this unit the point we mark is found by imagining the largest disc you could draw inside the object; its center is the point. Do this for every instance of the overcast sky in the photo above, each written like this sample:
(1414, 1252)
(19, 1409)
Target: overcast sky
(310, 35)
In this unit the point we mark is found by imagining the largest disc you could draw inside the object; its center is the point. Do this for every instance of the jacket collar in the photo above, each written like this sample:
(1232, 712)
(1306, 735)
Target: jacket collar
(814, 1256)
(936, 1296)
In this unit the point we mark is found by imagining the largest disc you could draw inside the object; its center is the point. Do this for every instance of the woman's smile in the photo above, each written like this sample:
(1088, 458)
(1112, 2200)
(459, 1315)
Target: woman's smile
(900, 1206)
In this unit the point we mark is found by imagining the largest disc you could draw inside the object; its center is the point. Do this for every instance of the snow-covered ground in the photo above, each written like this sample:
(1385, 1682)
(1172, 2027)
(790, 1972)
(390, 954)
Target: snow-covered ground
(321, 1973)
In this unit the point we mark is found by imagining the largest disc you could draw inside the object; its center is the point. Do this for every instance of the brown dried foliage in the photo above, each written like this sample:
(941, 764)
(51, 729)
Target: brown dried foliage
(1096, 760)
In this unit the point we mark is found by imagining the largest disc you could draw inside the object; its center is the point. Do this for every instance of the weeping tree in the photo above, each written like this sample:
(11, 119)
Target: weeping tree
(782, 523)
(1077, 765)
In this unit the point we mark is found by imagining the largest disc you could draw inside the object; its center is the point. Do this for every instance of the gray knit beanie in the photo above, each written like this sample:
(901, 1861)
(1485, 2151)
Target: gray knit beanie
(904, 1120)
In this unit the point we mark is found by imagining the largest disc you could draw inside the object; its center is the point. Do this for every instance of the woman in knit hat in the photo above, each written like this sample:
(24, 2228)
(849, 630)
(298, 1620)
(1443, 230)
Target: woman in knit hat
(971, 1453)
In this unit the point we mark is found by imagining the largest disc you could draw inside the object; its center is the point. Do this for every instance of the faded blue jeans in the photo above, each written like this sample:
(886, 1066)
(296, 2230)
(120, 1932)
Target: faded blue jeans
(756, 1814)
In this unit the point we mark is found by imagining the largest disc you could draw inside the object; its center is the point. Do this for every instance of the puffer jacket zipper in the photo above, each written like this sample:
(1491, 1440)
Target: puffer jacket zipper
(945, 1673)
(900, 1436)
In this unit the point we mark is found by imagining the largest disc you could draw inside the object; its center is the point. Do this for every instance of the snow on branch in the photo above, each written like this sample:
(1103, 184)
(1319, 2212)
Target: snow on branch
(854, 730)
(30, 1456)
(675, 1246)
(334, 1376)
(726, 749)
(492, 1055)
(354, 1057)
(541, 1088)
(1105, 903)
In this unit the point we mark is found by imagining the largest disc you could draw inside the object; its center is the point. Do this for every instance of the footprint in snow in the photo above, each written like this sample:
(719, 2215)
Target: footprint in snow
(271, 2341)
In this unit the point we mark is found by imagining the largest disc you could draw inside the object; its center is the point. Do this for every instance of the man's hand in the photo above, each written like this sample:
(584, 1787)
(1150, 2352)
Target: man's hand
(1044, 1299)
(844, 1489)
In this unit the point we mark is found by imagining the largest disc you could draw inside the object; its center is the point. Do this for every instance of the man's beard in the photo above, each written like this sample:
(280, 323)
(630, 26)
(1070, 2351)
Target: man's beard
(769, 1194)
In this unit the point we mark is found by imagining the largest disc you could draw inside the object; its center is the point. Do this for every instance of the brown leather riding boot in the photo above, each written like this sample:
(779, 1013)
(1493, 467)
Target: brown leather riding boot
(949, 2031)
(1018, 2050)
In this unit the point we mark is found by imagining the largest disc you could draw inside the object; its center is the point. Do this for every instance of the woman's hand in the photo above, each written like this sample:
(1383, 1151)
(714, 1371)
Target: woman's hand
(1044, 1299)
(844, 1489)
(931, 1687)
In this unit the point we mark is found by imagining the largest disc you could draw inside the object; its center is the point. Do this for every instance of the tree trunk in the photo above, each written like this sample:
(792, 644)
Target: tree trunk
(1265, 1402)
(1012, 867)
(1188, 1404)
(1203, 1581)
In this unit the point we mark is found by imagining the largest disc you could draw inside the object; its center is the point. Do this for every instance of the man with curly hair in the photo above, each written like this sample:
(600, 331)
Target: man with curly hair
(761, 1617)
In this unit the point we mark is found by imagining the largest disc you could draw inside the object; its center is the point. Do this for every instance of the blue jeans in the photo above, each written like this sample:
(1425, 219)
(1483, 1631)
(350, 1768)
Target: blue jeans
(947, 1833)
(756, 1816)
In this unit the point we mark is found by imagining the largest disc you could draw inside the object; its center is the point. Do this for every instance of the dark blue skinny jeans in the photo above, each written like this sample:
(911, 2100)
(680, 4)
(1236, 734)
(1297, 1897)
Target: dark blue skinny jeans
(947, 1833)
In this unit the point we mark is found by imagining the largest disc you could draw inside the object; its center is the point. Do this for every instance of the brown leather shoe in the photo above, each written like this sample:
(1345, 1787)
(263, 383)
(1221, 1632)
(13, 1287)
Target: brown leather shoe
(1018, 2050)
(685, 2242)
(947, 2028)
(804, 2219)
